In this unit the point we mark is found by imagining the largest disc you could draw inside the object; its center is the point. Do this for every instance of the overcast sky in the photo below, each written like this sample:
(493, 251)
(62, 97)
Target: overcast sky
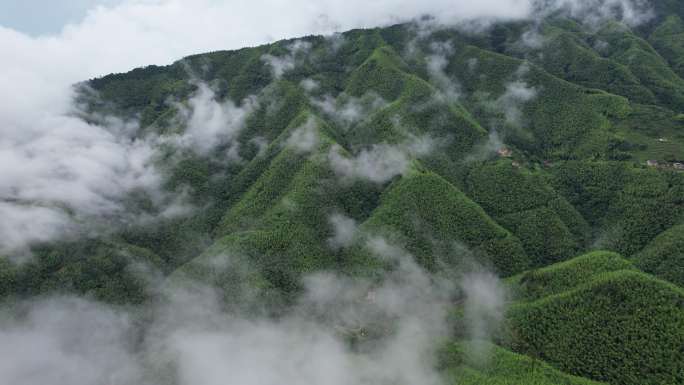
(123, 33)
(42, 17)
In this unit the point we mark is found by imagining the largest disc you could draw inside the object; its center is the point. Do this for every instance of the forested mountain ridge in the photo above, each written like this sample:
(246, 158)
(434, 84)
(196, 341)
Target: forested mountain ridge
(549, 153)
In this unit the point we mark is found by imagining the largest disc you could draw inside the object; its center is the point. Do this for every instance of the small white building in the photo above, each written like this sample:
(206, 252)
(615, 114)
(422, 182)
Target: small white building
(505, 152)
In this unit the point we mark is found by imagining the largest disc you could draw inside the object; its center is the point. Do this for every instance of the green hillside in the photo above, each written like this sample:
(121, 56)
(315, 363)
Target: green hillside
(663, 256)
(504, 368)
(620, 327)
(556, 164)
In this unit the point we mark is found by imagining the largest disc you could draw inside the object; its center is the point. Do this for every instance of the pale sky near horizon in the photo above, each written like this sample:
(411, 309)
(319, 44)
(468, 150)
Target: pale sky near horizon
(45, 17)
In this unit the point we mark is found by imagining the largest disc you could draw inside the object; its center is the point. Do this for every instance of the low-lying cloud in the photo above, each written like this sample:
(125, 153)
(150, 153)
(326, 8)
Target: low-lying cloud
(60, 172)
(344, 231)
(68, 341)
(54, 163)
(437, 62)
(342, 330)
(56, 167)
(281, 64)
(304, 139)
(381, 162)
(210, 123)
(510, 106)
(593, 12)
(348, 110)
(484, 307)
(515, 96)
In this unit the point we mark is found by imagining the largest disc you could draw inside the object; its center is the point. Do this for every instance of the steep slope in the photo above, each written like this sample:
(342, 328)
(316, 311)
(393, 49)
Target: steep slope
(469, 95)
(517, 147)
(430, 217)
(549, 227)
(667, 40)
(663, 256)
(629, 205)
(502, 368)
(565, 276)
(618, 326)
(111, 271)
(645, 63)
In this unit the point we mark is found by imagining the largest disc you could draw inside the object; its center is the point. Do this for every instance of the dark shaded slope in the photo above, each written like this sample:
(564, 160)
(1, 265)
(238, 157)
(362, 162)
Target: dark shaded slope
(503, 368)
(618, 326)
(549, 227)
(664, 256)
(431, 218)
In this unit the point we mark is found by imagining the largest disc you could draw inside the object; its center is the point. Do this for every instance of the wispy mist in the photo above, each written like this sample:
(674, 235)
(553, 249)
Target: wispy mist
(507, 113)
(483, 310)
(592, 12)
(517, 93)
(344, 231)
(281, 64)
(348, 110)
(304, 139)
(380, 162)
(342, 330)
(57, 167)
(437, 62)
(210, 123)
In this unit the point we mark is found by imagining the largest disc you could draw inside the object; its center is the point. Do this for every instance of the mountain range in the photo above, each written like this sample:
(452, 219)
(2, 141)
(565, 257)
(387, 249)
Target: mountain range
(517, 187)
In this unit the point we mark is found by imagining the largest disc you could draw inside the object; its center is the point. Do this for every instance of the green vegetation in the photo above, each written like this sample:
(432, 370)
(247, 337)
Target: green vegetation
(523, 202)
(664, 256)
(629, 205)
(424, 210)
(521, 157)
(501, 368)
(113, 272)
(622, 327)
(667, 40)
(565, 276)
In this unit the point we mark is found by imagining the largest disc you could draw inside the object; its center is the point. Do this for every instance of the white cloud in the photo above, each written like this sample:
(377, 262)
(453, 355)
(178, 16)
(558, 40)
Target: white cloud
(210, 123)
(304, 139)
(437, 63)
(279, 65)
(189, 337)
(282, 64)
(344, 230)
(261, 144)
(68, 341)
(30, 223)
(516, 94)
(488, 148)
(484, 307)
(380, 162)
(348, 110)
(510, 105)
(532, 39)
(592, 12)
(59, 163)
(309, 85)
